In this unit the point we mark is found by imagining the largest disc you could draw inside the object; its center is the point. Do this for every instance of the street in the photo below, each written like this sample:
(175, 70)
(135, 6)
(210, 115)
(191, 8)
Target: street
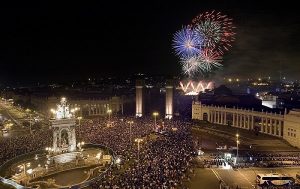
(17, 117)
(208, 178)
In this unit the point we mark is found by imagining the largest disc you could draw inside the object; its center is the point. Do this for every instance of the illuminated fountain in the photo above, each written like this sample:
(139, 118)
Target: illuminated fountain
(194, 88)
(46, 169)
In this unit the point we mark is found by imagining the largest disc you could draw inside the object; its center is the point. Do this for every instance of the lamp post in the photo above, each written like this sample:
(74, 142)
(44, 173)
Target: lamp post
(155, 114)
(109, 112)
(237, 147)
(49, 150)
(138, 140)
(53, 113)
(79, 145)
(130, 124)
(23, 166)
(79, 118)
(30, 124)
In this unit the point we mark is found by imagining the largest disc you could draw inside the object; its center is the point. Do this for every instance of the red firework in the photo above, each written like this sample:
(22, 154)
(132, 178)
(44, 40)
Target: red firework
(216, 28)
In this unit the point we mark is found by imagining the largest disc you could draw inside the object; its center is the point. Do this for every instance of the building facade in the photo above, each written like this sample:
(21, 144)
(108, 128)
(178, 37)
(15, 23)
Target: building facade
(284, 126)
(292, 127)
(87, 106)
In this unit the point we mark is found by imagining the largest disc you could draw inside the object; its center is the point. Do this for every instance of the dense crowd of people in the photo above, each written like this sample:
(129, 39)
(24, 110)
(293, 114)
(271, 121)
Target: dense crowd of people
(11, 147)
(163, 161)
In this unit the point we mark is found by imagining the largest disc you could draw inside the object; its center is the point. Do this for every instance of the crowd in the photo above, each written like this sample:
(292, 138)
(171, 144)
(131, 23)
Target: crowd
(164, 160)
(11, 147)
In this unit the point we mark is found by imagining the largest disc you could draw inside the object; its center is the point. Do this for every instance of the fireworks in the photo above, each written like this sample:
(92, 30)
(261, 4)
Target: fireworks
(210, 59)
(201, 45)
(205, 62)
(186, 43)
(217, 29)
(190, 65)
(211, 32)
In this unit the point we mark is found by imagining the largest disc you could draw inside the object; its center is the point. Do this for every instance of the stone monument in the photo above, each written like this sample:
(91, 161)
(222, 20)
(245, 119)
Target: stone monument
(63, 124)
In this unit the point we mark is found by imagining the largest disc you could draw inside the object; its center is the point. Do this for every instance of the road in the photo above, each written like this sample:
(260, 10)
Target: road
(17, 116)
(208, 178)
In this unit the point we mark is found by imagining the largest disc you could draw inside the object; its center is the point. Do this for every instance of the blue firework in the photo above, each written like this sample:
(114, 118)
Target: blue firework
(187, 43)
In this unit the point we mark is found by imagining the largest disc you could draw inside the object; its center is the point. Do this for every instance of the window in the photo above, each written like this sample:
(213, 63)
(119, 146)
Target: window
(288, 129)
(288, 133)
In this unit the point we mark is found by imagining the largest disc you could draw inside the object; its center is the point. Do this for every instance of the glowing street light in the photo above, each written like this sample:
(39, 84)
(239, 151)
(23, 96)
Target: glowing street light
(79, 118)
(28, 111)
(138, 140)
(155, 114)
(80, 144)
(130, 124)
(109, 111)
(237, 147)
(53, 112)
(23, 166)
(118, 160)
(74, 110)
(49, 149)
(98, 156)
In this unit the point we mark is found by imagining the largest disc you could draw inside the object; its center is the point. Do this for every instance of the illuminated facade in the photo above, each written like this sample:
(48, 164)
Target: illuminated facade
(269, 101)
(87, 106)
(139, 98)
(169, 100)
(292, 127)
(63, 124)
(286, 126)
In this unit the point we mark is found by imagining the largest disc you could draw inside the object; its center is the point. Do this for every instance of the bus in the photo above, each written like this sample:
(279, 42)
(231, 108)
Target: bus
(274, 179)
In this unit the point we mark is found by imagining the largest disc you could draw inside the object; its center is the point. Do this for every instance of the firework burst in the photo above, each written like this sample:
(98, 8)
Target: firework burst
(201, 45)
(216, 28)
(187, 43)
(210, 60)
(190, 65)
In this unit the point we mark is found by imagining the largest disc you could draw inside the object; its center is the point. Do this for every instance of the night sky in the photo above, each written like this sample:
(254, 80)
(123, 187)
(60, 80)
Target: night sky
(59, 40)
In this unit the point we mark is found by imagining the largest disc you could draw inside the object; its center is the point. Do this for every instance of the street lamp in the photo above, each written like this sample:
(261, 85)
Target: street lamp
(109, 111)
(28, 111)
(74, 110)
(155, 114)
(49, 149)
(53, 112)
(79, 145)
(237, 147)
(79, 118)
(130, 124)
(138, 140)
(23, 166)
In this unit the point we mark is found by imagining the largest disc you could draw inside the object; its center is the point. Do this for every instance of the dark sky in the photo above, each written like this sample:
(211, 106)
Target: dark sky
(65, 40)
